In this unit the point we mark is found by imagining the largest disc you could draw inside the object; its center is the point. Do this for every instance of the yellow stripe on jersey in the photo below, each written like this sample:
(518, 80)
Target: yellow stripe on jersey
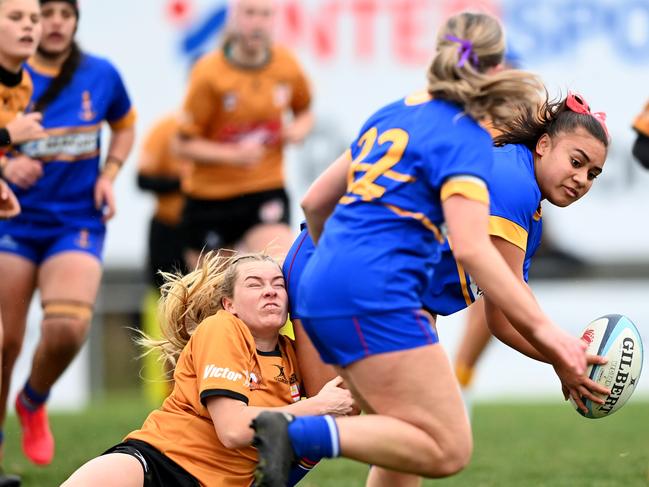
(463, 284)
(390, 174)
(467, 186)
(418, 98)
(508, 230)
(423, 219)
(538, 214)
(126, 122)
(641, 123)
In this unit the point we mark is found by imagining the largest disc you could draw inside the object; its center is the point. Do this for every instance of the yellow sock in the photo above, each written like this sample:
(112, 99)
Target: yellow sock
(464, 375)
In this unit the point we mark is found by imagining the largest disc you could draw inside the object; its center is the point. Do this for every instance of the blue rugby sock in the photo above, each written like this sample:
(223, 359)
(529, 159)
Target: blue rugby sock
(31, 398)
(314, 437)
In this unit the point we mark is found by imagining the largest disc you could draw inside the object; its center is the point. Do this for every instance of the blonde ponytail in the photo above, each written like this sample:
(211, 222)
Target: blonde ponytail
(469, 45)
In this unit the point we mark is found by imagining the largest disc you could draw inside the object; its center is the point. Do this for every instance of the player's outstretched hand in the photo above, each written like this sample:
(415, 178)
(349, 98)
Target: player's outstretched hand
(335, 399)
(9, 206)
(23, 171)
(581, 387)
(26, 127)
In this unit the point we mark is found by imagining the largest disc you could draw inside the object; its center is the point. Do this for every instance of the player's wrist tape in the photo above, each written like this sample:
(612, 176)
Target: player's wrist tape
(112, 167)
(5, 138)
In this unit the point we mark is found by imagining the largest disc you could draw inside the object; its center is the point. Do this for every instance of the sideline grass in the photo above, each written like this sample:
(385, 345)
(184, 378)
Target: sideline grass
(515, 446)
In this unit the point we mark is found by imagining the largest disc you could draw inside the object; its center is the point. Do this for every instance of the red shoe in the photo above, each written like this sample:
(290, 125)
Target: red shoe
(38, 442)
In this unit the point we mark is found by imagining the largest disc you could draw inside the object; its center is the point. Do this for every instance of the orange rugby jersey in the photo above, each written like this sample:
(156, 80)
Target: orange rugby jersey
(220, 359)
(14, 99)
(160, 161)
(227, 103)
(641, 122)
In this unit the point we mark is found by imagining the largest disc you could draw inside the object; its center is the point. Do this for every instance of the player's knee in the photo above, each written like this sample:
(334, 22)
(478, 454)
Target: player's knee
(455, 459)
(66, 324)
(449, 458)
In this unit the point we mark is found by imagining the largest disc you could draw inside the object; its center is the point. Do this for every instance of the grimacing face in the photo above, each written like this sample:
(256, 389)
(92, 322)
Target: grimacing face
(259, 299)
(20, 29)
(59, 26)
(567, 164)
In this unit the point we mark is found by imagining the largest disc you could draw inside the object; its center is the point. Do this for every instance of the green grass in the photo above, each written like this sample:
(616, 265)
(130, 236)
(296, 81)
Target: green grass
(515, 446)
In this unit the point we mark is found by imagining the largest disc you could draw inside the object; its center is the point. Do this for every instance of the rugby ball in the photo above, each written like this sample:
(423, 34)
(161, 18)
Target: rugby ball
(616, 338)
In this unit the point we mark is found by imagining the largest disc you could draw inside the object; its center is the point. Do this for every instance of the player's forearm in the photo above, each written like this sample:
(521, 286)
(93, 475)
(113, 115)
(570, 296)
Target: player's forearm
(204, 151)
(506, 333)
(121, 143)
(238, 433)
(300, 127)
(323, 195)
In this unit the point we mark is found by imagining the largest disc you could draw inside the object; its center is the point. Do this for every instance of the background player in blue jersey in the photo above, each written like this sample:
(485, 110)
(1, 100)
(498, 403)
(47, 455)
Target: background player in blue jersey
(416, 173)
(55, 245)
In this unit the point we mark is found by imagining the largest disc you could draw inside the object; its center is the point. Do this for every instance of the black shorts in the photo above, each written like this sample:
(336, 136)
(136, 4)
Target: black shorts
(159, 470)
(214, 224)
(165, 251)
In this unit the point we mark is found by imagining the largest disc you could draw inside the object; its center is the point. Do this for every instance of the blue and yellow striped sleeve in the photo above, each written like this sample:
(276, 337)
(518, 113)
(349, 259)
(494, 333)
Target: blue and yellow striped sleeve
(509, 231)
(470, 187)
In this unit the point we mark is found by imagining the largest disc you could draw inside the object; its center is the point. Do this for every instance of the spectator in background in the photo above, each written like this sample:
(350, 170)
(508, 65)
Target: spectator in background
(159, 171)
(234, 129)
(641, 144)
(56, 243)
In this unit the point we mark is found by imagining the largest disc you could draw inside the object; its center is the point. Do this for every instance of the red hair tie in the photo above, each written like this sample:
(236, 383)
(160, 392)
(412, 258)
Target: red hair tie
(576, 103)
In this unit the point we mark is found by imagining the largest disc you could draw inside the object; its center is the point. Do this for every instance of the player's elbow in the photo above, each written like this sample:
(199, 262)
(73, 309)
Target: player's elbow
(233, 437)
(313, 207)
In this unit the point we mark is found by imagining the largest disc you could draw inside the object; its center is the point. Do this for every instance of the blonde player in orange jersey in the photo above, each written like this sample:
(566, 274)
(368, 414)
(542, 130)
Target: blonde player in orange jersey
(221, 331)
(234, 128)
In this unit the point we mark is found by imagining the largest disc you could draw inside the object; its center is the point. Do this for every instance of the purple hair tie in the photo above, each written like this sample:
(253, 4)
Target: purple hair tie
(466, 50)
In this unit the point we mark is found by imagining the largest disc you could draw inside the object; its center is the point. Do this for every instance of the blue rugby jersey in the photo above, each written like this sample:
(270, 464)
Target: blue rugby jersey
(71, 153)
(379, 245)
(515, 216)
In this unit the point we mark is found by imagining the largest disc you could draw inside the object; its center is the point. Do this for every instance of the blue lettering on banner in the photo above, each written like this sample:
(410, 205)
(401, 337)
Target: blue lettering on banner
(197, 39)
(555, 28)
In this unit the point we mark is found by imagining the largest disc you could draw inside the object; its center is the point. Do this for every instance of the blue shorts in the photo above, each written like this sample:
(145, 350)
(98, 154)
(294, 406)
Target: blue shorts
(296, 259)
(40, 242)
(344, 340)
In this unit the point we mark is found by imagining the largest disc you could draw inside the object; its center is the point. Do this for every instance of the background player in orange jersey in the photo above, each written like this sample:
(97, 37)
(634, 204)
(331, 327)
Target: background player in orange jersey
(641, 144)
(222, 334)
(234, 129)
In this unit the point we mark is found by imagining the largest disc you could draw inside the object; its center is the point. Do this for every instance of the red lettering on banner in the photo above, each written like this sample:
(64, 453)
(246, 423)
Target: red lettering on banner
(411, 24)
(321, 32)
(316, 27)
(364, 12)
